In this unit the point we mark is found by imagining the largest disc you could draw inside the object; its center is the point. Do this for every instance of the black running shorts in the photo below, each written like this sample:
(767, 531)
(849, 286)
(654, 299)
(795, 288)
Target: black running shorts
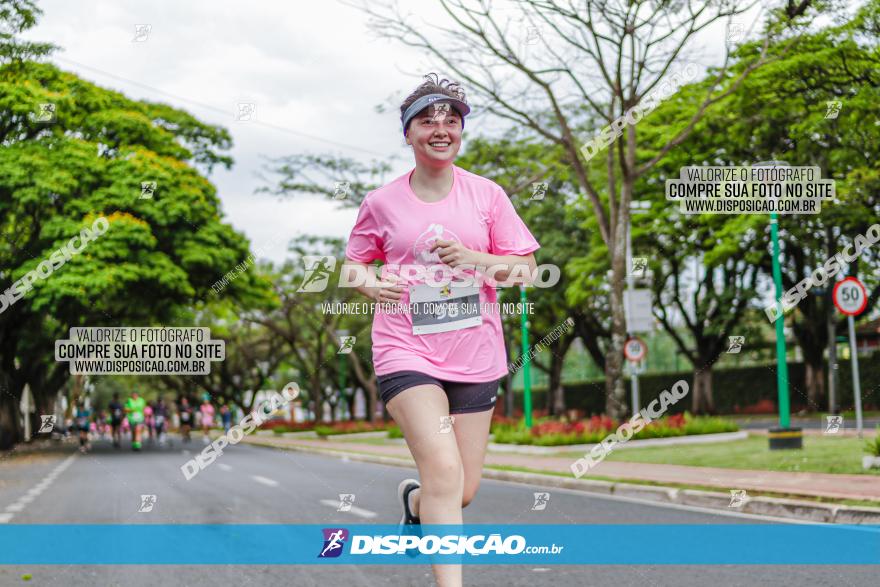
(463, 397)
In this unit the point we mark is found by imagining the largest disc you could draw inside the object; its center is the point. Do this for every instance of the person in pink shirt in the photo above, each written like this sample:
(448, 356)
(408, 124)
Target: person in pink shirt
(207, 411)
(439, 362)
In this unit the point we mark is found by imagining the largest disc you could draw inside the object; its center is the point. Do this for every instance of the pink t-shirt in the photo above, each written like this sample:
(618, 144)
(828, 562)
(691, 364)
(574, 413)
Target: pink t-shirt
(207, 414)
(396, 227)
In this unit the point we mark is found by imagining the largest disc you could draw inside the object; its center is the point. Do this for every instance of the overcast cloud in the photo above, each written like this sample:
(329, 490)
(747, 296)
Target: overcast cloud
(310, 68)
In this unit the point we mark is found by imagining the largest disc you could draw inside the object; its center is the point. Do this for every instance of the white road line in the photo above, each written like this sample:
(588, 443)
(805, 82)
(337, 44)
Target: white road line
(36, 490)
(360, 512)
(265, 480)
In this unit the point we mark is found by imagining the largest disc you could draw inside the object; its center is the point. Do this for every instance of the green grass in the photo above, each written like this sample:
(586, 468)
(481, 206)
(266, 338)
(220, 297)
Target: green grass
(821, 454)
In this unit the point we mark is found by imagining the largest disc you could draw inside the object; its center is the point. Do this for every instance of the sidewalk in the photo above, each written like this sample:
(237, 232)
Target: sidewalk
(856, 487)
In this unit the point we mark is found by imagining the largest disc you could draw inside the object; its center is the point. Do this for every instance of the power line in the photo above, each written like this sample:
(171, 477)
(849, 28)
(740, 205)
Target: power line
(220, 110)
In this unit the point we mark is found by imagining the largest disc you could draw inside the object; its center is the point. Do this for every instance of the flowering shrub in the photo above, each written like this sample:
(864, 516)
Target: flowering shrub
(550, 432)
(280, 426)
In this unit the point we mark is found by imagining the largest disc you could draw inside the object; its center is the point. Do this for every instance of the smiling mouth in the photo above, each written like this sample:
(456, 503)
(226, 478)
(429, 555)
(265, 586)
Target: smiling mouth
(440, 144)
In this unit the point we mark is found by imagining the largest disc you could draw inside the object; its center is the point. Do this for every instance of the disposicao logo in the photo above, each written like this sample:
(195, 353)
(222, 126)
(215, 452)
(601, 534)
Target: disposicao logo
(334, 541)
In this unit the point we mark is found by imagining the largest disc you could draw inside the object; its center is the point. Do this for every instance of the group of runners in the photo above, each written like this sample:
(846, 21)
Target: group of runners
(136, 416)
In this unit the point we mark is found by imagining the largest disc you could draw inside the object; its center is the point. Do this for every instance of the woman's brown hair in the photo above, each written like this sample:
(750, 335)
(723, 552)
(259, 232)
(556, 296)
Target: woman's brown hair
(434, 85)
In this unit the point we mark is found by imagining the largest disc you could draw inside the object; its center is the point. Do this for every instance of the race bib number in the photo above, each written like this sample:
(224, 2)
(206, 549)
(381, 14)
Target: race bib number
(184, 417)
(442, 309)
(117, 413)
(136, 417)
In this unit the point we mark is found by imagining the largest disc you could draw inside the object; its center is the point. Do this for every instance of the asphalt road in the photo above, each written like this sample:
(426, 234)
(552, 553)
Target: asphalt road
(249, 484)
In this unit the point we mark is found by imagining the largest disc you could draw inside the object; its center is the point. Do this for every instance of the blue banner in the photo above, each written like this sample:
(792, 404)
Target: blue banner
(544, 544)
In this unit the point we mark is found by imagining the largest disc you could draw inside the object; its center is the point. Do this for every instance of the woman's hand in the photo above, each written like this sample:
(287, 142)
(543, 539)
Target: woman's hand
(454, 253)
(387, 291)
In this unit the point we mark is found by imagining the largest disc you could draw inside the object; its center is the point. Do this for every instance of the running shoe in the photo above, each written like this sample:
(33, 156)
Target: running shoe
(403, 490)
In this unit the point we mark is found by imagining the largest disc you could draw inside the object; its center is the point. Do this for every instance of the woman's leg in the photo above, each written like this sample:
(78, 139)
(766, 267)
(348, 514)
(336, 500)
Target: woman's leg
(472, 437)
(419, 411)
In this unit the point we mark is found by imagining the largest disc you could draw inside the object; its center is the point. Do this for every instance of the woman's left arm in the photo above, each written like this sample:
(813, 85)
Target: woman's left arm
(497, 267)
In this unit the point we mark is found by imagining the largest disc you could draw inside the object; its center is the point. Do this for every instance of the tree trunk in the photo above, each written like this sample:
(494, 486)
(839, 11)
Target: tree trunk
(815, 383)
(702, 400)
(508, 381)
(615, 392)
(10, 425)
(556, 391)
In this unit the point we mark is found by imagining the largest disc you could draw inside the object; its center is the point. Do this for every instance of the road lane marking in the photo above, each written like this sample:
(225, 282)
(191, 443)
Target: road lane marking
(360, 512)
(265, 480)
(35, 491)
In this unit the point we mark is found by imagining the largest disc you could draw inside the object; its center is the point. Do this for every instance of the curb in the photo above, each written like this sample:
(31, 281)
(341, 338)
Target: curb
(645, 442)
(759, 505)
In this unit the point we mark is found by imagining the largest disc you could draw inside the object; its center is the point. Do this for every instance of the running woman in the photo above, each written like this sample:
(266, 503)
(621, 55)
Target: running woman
(185, 412)
(82, 424)
(148, 421)
(439, 373)
(116, 412)
(207, 411)
(134, 407)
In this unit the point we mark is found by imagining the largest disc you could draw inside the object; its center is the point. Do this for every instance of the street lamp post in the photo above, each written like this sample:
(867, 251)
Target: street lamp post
(343, 372)
(784, 436)
(527, 370)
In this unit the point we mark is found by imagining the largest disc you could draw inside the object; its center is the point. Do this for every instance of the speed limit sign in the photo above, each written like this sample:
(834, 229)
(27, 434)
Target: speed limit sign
(635, 349)
(850, 296)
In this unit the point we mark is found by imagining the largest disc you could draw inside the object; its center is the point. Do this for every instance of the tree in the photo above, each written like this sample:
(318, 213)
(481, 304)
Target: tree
(86, 161)
(780, 112)
(601, 62)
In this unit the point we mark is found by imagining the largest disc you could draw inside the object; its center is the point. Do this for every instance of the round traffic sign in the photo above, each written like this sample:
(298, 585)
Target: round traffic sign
(850, 296)
(635, 349)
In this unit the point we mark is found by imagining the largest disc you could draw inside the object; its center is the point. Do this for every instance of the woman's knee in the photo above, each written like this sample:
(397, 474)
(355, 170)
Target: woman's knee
(443, 474)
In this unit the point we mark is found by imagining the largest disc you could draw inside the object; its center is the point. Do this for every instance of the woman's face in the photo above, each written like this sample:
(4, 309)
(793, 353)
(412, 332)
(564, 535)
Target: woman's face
(435, 135)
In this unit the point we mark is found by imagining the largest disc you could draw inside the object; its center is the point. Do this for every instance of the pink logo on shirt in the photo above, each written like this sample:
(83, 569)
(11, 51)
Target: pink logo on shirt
(424, 242)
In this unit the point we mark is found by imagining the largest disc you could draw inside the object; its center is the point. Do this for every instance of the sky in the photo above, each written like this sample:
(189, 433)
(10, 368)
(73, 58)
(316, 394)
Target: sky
(313, 70)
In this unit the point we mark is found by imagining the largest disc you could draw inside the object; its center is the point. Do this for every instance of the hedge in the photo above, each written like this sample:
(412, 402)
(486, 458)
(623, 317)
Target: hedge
(740, 388)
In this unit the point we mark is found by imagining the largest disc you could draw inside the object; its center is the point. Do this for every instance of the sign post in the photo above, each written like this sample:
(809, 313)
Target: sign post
(635, 350)
(851, 298)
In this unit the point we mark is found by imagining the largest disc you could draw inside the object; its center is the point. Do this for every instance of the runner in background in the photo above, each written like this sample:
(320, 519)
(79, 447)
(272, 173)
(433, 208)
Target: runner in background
(134, 407)
(226, 417)
(185, 413)
(160, 413)
(116, 413)
(149, 423)
(103, 420)
(207, 411)
(81, 421)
